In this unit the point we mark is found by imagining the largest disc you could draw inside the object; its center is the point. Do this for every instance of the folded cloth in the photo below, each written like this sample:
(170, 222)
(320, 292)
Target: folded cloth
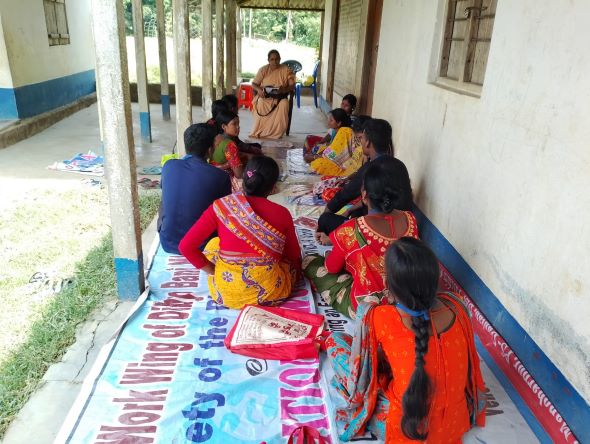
(153, 170)
(89, 163)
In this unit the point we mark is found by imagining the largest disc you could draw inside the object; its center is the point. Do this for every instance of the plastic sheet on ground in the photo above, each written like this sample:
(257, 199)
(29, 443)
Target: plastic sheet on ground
(169, 378)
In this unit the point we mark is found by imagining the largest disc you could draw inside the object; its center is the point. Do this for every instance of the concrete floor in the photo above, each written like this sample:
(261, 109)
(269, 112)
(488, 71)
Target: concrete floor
(23, 168)
(79, 133)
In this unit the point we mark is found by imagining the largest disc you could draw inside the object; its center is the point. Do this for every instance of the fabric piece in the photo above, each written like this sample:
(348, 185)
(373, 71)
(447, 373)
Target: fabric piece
(226, 152)
(355, 361)
(310, 143)
(356, 161)
(237, 215)
(89, 163)
(361, 250)
(273, 125)
(189, 186)
(242, 280)
(275, 215)
(328, 182)
(336, 155)
(352, 189)
(334, 289)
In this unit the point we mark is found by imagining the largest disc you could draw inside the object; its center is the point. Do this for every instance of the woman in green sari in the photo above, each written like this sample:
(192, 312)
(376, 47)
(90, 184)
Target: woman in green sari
(226, 154)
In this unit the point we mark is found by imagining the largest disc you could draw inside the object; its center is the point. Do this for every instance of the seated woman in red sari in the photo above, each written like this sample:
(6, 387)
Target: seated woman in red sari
(360, 244)
(430, 388)
(256, 259)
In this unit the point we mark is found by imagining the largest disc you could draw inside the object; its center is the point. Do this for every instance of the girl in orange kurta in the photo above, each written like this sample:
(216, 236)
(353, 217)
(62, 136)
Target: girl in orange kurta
(433, 390)
(270, 111)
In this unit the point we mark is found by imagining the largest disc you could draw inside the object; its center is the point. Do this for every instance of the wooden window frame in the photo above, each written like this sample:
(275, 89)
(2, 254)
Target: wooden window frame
(55, 35)
(473, 13)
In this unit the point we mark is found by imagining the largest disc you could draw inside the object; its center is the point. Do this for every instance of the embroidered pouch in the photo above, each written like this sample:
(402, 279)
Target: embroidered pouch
(275, 333)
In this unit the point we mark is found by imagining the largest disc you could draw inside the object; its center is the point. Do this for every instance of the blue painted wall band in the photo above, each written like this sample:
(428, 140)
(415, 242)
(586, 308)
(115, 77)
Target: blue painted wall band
(130, 282)
(165, 99)
(38, 98)
(145, 124)
(569, 403)
(325, 106)
(8, 110)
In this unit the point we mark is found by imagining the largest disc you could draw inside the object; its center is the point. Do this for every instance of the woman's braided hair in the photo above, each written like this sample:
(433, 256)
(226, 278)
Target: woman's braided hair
(412, 277)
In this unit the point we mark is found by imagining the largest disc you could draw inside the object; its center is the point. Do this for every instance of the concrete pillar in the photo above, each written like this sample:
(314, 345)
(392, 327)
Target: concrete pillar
(207, 55)
(142, 82)
(239, 31)
(164, 90)
(220, 54)
(184, 110)
(100, 128)
(230, 30)
(108, 23)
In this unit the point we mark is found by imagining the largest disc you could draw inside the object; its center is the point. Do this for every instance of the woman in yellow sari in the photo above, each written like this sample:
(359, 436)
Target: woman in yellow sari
(334, 158)
(270, 109)
(328, 186)
(256, 259)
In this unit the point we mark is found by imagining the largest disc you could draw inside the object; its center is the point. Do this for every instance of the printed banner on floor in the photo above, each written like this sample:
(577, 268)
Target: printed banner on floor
(169, 377)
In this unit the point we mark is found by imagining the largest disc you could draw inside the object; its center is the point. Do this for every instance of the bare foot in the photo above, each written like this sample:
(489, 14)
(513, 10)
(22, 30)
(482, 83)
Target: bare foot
(308, 158)
(323, 239)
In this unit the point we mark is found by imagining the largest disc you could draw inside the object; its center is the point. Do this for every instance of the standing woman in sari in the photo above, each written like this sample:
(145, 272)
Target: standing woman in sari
(256, 259)
(354, 271)
(431, 389)
(271, 109)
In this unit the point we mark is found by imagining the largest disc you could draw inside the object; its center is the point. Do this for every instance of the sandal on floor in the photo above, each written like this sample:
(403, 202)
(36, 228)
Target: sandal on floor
(150, 184)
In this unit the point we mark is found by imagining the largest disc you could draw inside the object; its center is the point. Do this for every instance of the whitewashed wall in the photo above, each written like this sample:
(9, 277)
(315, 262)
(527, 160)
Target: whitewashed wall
(25, 33)
(505, 177)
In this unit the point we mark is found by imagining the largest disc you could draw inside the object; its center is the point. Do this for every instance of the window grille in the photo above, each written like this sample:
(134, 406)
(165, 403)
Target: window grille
(467, 38)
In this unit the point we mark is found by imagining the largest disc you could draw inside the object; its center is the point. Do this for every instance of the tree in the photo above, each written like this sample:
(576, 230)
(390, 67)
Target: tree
(304, 27)
(307, 28)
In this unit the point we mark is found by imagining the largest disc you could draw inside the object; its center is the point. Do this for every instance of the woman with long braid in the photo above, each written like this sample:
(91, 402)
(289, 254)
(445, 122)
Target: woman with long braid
(433, 390)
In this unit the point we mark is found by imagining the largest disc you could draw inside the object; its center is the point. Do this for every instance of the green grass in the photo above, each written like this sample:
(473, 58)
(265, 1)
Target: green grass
(55, 327)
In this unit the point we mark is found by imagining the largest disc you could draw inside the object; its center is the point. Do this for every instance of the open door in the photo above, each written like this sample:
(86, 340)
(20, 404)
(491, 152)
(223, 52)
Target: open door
(372, 49)
(355, 58)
